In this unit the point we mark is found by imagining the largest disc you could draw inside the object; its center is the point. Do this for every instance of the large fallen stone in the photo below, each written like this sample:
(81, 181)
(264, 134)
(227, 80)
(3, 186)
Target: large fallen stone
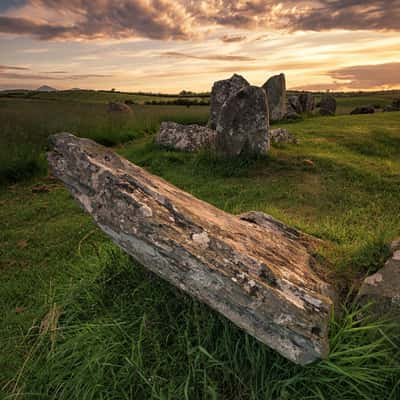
(243, 123)
(276, 95)
(327, 105)
(220, 93)
(253, 269)
(185, 137)
(382, 289)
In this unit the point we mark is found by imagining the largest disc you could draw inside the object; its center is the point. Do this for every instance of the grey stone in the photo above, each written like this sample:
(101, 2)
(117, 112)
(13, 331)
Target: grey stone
(382, 289)
(185, 137)
(118, 107)
(281, 135)
(243, 123)
(294, 105)
(307, 102)
(327, 105)
(254, 270)
(220, 93)
(276, 94)
(363, 110)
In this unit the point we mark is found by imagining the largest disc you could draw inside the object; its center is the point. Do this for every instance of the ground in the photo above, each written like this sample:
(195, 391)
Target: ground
(82, 320)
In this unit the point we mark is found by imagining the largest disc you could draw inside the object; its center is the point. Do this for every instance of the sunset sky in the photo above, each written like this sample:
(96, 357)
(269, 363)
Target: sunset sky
(170, 45)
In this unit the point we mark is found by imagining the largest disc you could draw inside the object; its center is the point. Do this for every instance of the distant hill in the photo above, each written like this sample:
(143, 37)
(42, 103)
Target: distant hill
(46, 88)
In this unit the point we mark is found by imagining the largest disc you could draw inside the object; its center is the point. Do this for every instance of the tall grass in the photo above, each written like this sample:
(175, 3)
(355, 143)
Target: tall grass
(26, 124)
(122, 333)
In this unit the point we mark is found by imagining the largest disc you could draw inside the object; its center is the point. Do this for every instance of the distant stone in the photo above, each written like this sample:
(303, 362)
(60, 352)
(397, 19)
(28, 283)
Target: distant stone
(220, 93)
(281, 135)
(383, 287)
(276, 94)
(389, 108)
(327, 105)
(243, 124)
(185, 137)
(301, 103)
(307, 102)
(118, 107)
(395, 106)
(363, 110)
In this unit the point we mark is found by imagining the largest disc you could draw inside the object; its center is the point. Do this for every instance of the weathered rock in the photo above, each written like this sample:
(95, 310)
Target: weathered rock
(327, 105)
(307, 102)
(281, 135)
(382, 289)
(220, 93)
(243, 123)
(118, 107)
(395, 106)
(276, 95)
(294, 105)
(389, 108)
(301, 103)
(254, 270)
(185, 137)
(363, 110)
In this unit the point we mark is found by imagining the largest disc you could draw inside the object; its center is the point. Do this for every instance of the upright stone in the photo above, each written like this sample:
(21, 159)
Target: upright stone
(220, 92)
(307, 102)
(327, 105)
(243, 123)
(276, 94)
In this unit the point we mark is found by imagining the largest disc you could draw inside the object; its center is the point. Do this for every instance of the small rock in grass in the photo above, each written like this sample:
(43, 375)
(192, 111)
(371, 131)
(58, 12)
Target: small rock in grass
(363, 110)
(281, 135)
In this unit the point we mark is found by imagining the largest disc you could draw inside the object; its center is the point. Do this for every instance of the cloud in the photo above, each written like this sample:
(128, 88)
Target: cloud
(232, 39)
(48, 76)
(184, 19)
(368, 76)
(13, 68)
(210, 57)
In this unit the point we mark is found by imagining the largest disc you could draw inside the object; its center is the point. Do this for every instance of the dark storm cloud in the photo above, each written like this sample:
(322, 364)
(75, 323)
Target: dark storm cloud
(179, 19)
(211, 57)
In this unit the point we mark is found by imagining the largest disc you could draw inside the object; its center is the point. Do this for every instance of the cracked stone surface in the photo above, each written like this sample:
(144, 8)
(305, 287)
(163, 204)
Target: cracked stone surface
(254, 270)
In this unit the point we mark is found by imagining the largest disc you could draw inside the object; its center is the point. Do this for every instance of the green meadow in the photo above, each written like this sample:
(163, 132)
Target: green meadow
(82, 320)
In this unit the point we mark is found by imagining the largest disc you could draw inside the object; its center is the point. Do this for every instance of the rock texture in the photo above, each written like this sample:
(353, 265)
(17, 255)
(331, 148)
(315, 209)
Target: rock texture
(254, 270)
(275, 88)
(301, 103)
(395, 106)
(281, 135)
(185, 137)
(327, 105)
(363, 110)
(220, 93)
(118, 107)
(383, 287)
(243, 123)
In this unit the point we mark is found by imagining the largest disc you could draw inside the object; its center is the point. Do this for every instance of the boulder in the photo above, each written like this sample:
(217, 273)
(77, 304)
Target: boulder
(185, 137)
(395, 106)
(307, 102)
(301, 103)
(253, 269)
(118, 107)
(276, 95)
(382, 289)
(220, 92)
(243, 123)
(327, 105)
(363, 110)
(281, 135)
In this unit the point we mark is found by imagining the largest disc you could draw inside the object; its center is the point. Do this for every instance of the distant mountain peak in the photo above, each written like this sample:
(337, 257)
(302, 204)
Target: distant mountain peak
(46, 88)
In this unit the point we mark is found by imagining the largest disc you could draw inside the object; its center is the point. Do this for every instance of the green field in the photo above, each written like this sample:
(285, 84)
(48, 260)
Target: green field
(81, 320)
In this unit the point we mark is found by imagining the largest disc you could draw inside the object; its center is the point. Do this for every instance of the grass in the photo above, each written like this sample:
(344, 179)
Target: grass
(82, 320)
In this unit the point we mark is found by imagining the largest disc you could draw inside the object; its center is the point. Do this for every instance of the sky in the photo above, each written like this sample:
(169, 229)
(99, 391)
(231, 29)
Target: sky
(172, 45)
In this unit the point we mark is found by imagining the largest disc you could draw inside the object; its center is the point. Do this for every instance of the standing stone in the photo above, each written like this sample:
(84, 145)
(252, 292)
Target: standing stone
(307, 102)
(185, 137)
(327, 105)
(294, 105)
(221, 91)
(243, 123)
(276, 94)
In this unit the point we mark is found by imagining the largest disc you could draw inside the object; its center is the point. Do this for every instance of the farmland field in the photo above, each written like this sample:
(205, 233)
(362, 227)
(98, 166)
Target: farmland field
(81, 320)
